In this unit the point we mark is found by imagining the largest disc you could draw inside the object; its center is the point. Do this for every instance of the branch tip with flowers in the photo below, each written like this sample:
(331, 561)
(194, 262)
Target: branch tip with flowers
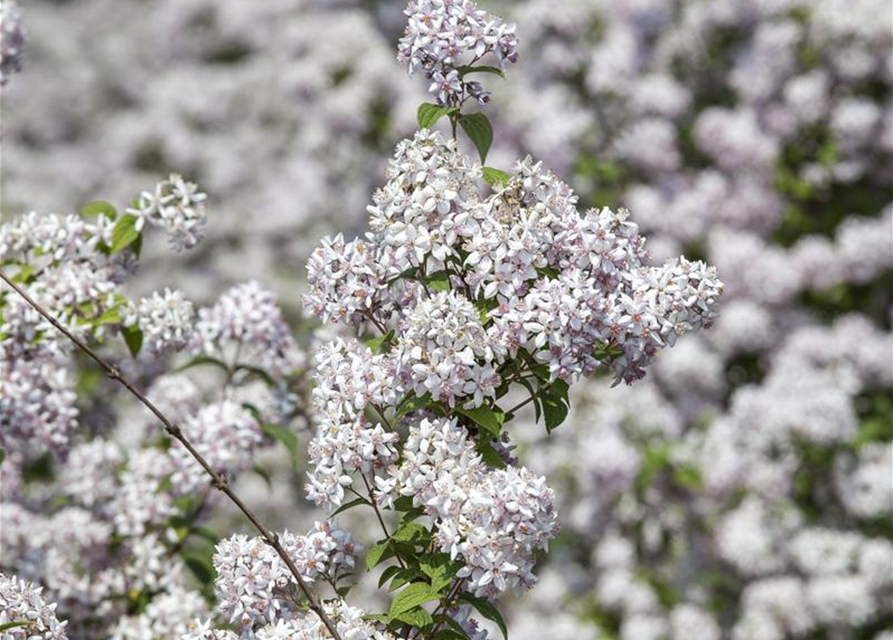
(486, 288)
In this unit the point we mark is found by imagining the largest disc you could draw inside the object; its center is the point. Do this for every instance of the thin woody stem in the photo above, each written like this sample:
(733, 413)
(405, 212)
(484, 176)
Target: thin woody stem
(218, 479)
(374, 504)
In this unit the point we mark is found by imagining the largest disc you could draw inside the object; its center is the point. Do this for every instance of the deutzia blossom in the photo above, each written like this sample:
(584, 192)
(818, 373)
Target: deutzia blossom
(176, 206)
(349, 378)
(246, 326)
(20, 601)
(494, 521)
(12, 40)
(254, 585)
(443, 35)
(165, 320)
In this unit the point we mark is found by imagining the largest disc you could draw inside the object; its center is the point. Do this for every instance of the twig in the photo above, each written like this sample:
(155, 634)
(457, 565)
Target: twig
(218, 479)
(374, 504)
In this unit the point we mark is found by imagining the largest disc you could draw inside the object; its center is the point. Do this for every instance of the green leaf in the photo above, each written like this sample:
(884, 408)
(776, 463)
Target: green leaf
(14, 625)
(349, 505)
(555, 411)
(201, 567)
(165, 485)
(416, 617)
(412, 596)
(259, 470)
(387, 574)
(376, 617)
(496, 176)
(489, 455)
(466, 69)
(484, 307)
(111, 316)
(548, 272)
(479, 130)
(133, 337)
(429, 113)
(284, 435)
(99, 208)
(2, 455)
(202, 360)
(411, 532)
(376, 344)
(488, 611)
(376, 554)
(439, 281)
(488, 419)
(24, 274)
(124, 233)
(412, 403)
(440, 569)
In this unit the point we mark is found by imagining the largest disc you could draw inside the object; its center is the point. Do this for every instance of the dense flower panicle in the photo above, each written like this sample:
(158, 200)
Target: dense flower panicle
(176, 206)
(167, 616)
(253, 583)
(20, 601)
(493, 520)
(444, 35)
(138, 505)
(58, 237)
(226, 434)
(444, 351)
(37, 403)
(555, 282)
(166, 320)
(348, 620)
(89, 475)
(246, 326)
(12, 40)
(349, 379)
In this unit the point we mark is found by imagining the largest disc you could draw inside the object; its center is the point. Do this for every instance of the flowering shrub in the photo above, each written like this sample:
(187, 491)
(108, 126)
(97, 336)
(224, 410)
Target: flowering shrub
(749, 468)
(474, 296)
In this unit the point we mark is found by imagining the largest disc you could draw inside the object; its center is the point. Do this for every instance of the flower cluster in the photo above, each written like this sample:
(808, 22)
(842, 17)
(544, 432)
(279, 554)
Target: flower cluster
(349, 379)
(176, 206)
(253, 583)
(12, 40)
(246, 326)
(226, 434)
(553, 282)
(444, 39)
(494, 520)
(444, 351)
(349, 621)
(165, 319)
(20, 601)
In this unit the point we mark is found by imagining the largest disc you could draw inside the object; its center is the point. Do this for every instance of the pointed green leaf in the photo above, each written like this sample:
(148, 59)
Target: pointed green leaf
(465, 70)
(124, 233)
(415, 594)
(133, 337)
(555, 411)
(284, 435)
(487, 610)
(429, 113)
(496, 176)
(349, 505)
(490, 420)
(477, 127)
(489, 455)
(376, 554)
(98, 208)
(378, 343)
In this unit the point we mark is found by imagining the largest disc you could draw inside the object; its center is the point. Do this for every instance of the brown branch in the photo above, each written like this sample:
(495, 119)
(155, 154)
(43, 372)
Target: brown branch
(218, 479)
